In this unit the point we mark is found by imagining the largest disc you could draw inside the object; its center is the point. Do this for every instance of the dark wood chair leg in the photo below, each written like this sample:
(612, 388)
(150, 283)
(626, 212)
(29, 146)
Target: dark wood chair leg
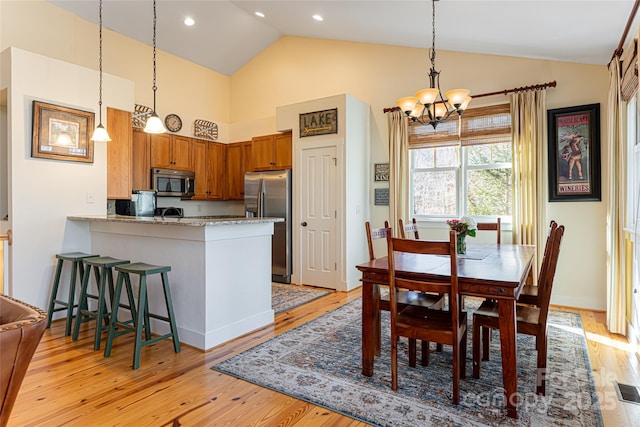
(412, 352)
(475, 347)
(541, 346)
(456, 373)
(486, 340)
(463, 356)
(425, 353)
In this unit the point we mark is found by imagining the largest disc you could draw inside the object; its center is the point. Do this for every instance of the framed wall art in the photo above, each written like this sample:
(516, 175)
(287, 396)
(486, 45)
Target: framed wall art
(574, 153)
(62, 133)
(381, 172)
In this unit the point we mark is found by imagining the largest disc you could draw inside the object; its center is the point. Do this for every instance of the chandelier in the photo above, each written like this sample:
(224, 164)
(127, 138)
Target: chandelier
(428, 106)
(154, 124)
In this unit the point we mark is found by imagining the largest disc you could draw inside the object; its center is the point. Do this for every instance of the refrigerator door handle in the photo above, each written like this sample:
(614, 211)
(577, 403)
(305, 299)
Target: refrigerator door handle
(260, 200)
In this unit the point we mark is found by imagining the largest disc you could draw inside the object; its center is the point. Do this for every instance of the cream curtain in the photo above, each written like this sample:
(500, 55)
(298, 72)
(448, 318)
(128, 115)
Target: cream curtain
(616, 297)
(528, 130)
(398, 168)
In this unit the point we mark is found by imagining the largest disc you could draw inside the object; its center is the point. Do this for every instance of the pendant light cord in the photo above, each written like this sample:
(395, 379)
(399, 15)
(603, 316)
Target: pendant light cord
(154, 56)
(100, 64)
(433, 35)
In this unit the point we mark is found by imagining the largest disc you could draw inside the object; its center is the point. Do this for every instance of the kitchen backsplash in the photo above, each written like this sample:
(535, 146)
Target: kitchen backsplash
(194, 207)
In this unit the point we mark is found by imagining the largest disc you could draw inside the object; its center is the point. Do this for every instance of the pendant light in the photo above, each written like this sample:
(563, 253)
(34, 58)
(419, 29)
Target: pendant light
(100, 134)
(154, 124)
(428, 106)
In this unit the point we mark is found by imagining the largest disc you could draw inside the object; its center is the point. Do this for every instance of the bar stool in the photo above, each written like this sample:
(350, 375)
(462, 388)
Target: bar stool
(141, 318)
(77, 266)
(103, 269)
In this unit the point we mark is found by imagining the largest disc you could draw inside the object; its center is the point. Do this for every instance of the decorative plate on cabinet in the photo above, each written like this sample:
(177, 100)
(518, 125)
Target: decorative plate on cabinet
(173, 122)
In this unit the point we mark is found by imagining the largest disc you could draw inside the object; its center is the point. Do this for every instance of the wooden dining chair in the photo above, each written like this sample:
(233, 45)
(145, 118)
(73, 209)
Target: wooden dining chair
(448, 327)
(530, 320)
(529, 293)
(407, 229)
(495, 226)
(405, 298)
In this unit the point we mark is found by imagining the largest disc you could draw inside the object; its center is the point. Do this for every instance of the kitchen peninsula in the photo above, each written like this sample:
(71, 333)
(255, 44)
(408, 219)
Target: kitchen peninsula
(220, 269)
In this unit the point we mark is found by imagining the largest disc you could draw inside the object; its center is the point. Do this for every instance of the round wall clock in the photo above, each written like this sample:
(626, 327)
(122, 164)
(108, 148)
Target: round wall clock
(173, 122)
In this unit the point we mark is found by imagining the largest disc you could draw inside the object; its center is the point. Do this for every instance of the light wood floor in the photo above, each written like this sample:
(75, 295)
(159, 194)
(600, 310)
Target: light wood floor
(68, 383)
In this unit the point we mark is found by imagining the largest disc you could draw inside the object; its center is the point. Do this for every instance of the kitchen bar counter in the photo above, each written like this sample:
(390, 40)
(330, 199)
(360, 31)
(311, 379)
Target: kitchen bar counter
(220, 269)
(197, 221)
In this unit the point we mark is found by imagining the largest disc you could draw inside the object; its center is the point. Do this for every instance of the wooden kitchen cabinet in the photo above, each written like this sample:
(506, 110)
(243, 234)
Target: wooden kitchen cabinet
(238, 162)
(271, 152)
(209, 163)
(171, 152)
(141, 161)
(119, 158)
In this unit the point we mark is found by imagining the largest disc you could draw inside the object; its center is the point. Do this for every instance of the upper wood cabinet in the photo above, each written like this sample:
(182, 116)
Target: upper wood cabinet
(271, 152)
(171, 152)
(141, 161)
(238, 162)
(118, 154)
(209, 163)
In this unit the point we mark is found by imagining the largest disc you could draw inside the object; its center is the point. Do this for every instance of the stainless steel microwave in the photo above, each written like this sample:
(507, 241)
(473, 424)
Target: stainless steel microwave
(173, 183)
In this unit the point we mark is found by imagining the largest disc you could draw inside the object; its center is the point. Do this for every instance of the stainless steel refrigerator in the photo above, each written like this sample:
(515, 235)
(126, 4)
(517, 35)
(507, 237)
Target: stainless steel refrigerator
(268, 194)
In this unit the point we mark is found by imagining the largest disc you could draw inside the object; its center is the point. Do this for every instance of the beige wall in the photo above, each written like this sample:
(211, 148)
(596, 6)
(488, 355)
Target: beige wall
(189, 90)
(296, 69)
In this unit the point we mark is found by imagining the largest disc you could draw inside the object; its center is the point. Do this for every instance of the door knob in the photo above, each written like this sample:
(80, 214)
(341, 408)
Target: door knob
(304, 224)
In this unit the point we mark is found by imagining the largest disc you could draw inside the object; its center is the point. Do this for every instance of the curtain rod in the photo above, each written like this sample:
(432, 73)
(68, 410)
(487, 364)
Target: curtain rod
(632, 16)
(502, 92)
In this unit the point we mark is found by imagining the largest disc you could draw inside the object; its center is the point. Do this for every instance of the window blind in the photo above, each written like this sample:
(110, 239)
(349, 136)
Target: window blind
(482, 125)
(629, 70)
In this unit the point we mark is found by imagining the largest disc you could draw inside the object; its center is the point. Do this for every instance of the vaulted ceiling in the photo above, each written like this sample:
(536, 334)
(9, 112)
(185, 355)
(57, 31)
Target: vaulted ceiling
(227, 34)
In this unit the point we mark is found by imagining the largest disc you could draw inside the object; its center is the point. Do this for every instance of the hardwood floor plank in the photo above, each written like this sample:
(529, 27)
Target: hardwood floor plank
(70, 384)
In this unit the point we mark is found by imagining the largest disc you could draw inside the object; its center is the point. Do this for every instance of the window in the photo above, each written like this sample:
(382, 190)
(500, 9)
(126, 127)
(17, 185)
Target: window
(451, 176)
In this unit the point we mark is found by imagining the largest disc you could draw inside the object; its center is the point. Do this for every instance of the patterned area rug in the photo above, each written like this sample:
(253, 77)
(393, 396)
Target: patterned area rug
(320, 362)
(285, 297)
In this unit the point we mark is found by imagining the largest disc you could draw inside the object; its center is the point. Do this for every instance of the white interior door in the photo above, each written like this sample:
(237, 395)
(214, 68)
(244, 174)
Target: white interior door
(318, 217)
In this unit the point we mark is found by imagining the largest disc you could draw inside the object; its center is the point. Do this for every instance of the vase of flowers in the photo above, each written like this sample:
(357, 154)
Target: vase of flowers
(465, 226)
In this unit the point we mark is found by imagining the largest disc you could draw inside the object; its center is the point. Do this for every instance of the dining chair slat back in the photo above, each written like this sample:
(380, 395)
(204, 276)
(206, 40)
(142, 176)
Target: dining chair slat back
(447, 327)
(374, 234)
(495, 226)
(407, 229)
(531, 320)
(529, 294)
(404, 298)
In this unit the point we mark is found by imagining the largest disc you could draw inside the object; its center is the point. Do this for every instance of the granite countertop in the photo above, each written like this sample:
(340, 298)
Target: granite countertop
(188, 221)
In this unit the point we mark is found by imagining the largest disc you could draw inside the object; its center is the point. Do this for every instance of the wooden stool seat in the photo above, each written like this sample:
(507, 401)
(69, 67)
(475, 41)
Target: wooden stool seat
(103, 269)
(140, 309)
(76, 259)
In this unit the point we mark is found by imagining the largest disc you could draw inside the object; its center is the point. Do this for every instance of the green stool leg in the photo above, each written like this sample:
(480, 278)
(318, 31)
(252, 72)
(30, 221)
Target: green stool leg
(54, 293)
(101, 314)
(76, 266)
(142, 320)
(114, 315)
(83, 305)
(172, 319)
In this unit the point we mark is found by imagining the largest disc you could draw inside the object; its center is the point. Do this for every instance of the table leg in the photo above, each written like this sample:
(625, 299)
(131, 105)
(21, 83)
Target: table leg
(369, 321)
(507, 319)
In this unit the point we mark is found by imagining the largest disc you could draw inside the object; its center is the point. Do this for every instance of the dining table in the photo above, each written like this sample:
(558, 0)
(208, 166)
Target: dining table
(487, 270)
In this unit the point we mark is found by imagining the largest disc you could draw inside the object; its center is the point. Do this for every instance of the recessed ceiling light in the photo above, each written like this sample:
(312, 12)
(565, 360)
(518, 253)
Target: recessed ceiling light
(318, 18)
(188, 21)
(260, 14)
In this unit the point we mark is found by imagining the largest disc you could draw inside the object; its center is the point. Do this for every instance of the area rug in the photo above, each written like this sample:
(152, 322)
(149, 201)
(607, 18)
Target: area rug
(320, 362)
(285, 297)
